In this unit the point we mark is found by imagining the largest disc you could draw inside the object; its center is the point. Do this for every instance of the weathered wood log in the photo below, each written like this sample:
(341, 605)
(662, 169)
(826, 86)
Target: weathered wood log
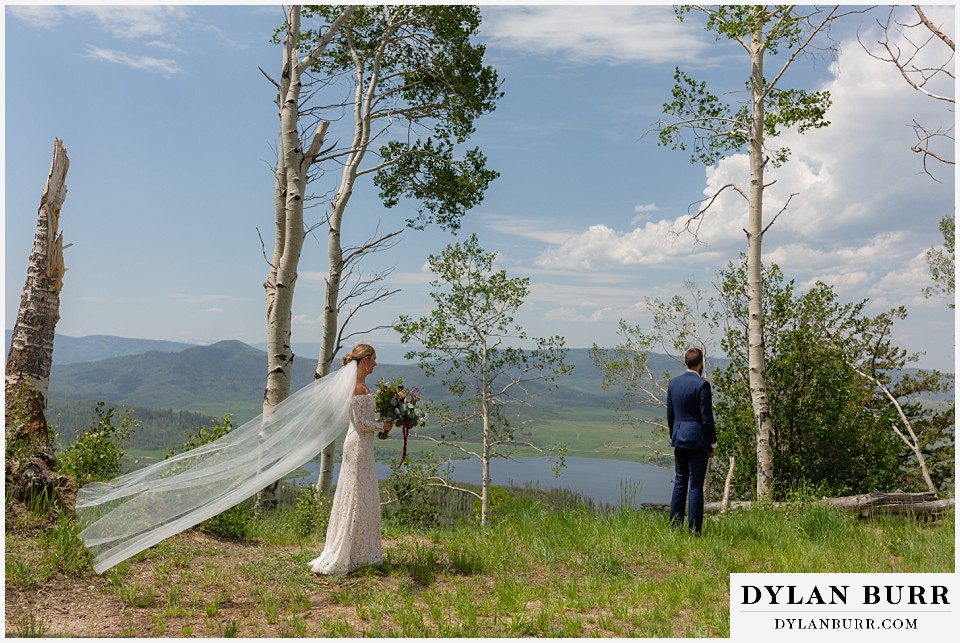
(875, 502)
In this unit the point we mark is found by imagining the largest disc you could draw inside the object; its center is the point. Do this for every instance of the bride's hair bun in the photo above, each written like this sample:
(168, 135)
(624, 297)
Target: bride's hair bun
(359, 352)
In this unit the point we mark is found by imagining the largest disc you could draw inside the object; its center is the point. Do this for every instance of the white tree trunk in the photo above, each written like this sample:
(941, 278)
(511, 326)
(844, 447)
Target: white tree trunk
(31, 347)
(485, 459)
(293, 165)
(487, 438)
(755, 341)
(27, 374)
(363, 105)
(725, 500)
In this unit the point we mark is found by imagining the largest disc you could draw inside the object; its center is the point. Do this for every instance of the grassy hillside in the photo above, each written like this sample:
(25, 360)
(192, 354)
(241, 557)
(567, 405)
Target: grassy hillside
(537, 571)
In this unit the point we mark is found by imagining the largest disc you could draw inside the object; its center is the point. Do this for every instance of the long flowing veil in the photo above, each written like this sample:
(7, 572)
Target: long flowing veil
(139, 509)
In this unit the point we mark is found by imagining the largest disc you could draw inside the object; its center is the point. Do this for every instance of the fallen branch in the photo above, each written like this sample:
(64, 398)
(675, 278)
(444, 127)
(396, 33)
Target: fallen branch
(875, 502)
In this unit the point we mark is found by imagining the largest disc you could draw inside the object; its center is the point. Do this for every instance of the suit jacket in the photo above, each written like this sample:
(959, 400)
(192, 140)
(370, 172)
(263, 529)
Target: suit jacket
(690, 413)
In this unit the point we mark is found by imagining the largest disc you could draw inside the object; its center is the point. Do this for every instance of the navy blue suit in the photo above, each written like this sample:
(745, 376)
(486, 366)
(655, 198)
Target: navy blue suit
(692, 434)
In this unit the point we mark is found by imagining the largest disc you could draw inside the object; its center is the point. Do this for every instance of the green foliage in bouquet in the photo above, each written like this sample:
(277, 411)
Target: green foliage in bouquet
(398, 404)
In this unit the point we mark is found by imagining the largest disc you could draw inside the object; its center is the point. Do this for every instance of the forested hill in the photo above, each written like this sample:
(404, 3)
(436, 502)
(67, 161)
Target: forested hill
(229, 377)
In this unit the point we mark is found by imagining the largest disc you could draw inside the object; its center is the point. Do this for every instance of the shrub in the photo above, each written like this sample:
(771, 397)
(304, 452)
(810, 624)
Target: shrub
(234, 523)
(499, 500)
(96, 454)
(204, 435)
(417, 504)
(311, 511)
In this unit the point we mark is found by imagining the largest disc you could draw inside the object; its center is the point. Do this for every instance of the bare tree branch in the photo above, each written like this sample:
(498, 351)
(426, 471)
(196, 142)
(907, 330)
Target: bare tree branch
(318, 137)
(782, 210)
(267, 76)
(448, 443)
(933, 29)
(376, 245)
(797, 50)
(915, 444)
(698, 217)
(920, 76)
(263, 248)
(307, 61)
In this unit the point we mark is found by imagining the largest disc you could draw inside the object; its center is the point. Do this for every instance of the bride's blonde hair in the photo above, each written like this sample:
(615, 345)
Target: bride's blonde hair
(359, 352)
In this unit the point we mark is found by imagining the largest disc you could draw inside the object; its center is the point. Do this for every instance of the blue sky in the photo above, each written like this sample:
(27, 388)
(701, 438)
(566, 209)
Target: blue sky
(170, 128)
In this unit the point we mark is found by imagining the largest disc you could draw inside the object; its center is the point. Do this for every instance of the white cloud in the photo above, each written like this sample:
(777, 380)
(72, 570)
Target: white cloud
(883, 249)
(583, 316)
(121, 21)
(614, 34)
(842, 281)
(407, 279)
(222, 37)
(903, 285)
(644, 212)
(37, 16)
(599, 246)
(306, 320)
(158, 26)
(312, 276)
(166, 46)
(536, 229)
(214, 310)
(859, 209)
(163, 66)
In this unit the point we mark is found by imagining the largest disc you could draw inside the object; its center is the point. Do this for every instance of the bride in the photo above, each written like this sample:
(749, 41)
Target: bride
(353, 534)
(135, 511)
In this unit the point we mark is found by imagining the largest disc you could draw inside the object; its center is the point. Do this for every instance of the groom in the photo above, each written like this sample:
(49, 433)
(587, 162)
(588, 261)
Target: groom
(693, 437)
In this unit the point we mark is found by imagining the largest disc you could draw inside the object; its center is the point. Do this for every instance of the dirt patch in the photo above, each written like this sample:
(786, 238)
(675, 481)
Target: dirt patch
(187, 597)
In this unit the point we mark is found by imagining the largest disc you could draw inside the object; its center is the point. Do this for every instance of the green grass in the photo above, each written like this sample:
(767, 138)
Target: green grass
(537, 571)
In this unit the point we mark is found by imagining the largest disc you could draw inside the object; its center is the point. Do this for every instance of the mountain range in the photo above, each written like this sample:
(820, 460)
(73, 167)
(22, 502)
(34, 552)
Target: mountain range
(173, 387)
(91, 348)
(229, 377)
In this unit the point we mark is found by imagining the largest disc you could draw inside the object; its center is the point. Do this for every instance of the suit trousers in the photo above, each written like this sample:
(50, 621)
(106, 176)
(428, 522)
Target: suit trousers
(690, 471)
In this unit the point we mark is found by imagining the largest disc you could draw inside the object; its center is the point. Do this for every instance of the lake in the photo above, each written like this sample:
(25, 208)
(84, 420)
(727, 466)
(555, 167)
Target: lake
(603, 481)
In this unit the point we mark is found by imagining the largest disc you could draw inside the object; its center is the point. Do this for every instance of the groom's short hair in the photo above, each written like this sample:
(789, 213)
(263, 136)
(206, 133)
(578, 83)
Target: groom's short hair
(693, 358)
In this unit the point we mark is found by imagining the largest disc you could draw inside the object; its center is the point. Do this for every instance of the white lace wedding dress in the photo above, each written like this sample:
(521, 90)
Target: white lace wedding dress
(353, 535)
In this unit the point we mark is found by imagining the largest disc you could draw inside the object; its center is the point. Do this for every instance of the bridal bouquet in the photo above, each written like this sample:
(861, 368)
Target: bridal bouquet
(399, 405)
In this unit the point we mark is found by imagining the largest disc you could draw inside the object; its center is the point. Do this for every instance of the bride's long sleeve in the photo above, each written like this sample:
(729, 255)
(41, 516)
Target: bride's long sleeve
(364, 414)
